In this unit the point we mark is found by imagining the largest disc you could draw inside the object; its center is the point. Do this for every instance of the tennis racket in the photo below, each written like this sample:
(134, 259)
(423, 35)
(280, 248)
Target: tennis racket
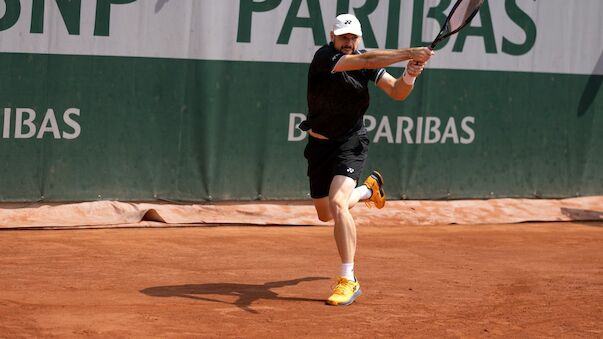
(460, 16)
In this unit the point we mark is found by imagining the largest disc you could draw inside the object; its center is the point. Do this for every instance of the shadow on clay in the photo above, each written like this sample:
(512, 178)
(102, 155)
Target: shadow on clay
(247, 293)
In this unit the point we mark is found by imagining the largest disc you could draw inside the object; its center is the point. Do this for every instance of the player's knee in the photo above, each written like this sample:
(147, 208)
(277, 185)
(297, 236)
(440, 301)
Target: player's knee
(322, 209)
(338, 206)
(325, 217)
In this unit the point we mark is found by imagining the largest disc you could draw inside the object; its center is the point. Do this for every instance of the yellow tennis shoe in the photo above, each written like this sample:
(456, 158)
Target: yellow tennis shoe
(345, 292)
(375, 183)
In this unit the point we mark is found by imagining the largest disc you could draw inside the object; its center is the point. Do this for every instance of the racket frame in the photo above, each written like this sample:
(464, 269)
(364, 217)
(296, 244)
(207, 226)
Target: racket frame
(441, 35)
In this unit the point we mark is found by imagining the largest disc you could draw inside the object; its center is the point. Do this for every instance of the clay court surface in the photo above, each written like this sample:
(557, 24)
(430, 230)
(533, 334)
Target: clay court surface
(510, 280)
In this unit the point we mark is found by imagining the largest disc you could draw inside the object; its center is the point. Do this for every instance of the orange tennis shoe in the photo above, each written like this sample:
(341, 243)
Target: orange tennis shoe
(345, 292)
(375, 183)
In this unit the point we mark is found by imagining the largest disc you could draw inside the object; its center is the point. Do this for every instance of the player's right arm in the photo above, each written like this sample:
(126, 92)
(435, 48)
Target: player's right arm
(379, 58)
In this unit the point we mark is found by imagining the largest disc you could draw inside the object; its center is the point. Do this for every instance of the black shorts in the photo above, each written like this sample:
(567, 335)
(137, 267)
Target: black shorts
(328, 158)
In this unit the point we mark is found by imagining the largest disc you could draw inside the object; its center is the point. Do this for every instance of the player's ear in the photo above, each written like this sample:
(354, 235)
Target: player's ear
(332, 36)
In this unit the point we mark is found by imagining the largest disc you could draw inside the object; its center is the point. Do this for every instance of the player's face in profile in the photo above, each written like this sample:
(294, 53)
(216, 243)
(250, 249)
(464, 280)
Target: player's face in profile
(346, 43)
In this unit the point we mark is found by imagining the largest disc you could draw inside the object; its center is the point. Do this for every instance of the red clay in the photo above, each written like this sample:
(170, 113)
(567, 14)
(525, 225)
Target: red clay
(520, 280)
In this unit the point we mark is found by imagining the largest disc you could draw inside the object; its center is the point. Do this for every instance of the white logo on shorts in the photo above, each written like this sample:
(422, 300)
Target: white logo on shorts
(350, 170)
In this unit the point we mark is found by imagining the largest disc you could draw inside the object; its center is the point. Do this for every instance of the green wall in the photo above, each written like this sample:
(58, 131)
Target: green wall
(198, 130)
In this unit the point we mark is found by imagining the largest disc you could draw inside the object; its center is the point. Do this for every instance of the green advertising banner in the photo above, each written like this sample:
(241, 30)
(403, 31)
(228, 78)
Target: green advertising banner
(199, 100)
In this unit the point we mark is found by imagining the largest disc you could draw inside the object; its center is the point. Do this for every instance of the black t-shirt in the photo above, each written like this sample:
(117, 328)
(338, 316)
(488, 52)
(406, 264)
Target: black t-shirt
(337, 101)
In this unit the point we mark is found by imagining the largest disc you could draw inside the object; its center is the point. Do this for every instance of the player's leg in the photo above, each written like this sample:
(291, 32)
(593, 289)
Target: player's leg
(353, 159)
(319, 154)
(323, 210)
(347, 288)
(371, 192)
(320, 185)
(345, 227)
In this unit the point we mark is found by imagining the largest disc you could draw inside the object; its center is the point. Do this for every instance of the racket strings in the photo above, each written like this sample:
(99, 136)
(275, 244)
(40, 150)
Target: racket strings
(464, 12)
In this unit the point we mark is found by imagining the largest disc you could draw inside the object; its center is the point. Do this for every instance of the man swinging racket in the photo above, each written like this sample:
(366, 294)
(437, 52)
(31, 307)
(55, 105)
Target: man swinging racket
(337, 148)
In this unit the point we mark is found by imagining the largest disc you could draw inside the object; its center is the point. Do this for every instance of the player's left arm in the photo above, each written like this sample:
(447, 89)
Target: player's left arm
(378, 58)
(400, 88)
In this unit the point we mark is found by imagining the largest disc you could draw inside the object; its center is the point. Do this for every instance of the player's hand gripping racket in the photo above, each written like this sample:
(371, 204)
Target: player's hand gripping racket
(460, 16)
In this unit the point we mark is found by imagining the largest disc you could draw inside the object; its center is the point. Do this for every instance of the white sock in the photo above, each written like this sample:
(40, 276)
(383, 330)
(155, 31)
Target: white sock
(347, 271)
(365, 192)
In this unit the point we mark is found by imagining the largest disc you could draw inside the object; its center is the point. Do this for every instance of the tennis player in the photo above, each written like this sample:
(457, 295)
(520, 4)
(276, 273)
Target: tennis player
(338, 97)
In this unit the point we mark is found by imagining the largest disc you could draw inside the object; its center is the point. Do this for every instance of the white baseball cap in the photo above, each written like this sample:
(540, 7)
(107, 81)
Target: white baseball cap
(347, 23)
